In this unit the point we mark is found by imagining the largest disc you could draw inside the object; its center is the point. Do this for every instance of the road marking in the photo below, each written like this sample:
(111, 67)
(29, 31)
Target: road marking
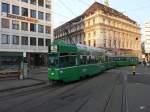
(138, 83)
(124, 94)
(142, 107)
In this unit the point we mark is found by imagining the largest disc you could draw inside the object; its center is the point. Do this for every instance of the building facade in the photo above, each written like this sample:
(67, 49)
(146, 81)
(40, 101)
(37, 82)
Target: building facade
(147, 39)
(25, 29)
(103, 27)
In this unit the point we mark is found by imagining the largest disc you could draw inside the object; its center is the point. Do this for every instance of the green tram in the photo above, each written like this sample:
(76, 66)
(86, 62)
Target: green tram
(68, 62)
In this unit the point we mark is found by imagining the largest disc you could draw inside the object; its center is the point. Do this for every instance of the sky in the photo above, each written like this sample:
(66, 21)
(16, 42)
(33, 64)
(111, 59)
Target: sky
(65, 10)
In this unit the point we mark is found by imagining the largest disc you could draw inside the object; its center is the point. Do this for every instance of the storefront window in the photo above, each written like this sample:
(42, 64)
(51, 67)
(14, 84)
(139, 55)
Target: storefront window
(10, 62)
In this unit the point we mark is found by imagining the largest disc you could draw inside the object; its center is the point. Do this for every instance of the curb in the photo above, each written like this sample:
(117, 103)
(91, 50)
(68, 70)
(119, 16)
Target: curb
(21, 87)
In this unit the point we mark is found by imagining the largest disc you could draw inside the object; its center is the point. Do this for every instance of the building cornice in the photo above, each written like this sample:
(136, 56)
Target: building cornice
(107, 10)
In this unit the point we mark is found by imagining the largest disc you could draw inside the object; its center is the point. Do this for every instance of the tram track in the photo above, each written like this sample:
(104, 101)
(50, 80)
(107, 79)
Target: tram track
(111, 93)
(87, 97)
(44, 93)
(82, 104)
(62, 95)
(23, 93)
(59, 98)
(48, 88)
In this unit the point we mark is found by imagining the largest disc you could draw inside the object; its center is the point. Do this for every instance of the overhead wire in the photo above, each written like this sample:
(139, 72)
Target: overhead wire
(58, 14)
(85, 3)
(138, 8)
(68, 8)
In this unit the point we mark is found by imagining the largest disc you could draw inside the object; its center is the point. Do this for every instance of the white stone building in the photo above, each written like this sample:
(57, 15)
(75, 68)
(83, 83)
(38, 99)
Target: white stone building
(147, 40)
(147, 37)
(25, 29)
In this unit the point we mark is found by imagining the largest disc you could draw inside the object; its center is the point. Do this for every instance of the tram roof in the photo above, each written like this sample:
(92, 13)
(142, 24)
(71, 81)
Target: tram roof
(64, 47)
(82, 47)
(120, 56)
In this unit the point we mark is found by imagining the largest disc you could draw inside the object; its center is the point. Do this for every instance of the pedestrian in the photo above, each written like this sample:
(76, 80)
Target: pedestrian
(133, 70)
(147, 63)
(144, 62)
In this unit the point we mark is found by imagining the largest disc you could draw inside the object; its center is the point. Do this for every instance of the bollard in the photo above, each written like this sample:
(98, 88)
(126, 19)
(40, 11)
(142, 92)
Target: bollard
(21, 73)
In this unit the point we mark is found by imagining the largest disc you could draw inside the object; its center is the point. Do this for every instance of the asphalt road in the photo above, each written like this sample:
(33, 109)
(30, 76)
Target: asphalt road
(113, 91)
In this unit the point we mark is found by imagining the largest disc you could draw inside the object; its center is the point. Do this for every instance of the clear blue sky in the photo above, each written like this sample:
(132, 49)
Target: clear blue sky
(138, 10)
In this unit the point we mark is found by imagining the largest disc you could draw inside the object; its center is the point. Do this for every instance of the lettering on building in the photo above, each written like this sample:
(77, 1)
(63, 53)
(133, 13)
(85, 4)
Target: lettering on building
(22, 18)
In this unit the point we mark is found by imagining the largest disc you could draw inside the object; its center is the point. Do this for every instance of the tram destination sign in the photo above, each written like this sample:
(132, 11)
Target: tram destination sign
(22, 18)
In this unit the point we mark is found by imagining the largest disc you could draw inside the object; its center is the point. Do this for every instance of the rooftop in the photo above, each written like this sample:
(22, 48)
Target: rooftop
(98, 6)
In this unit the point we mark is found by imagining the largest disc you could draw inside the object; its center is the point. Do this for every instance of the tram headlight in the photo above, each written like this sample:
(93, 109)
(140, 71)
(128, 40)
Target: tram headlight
(61, 72)
(52, 74)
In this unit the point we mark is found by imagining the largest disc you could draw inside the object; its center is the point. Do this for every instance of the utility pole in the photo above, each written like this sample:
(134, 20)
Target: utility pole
(52, 20)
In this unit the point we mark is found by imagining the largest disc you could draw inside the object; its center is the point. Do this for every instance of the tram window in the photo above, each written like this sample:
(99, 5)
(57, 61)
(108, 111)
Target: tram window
(103, 59)
(53, 60)
(98, 59)
(72, 60)
(63, 62)
(80, 59)
(67, 61)
(129, 59)
(93, 60)
(90, 60)
(83, 59)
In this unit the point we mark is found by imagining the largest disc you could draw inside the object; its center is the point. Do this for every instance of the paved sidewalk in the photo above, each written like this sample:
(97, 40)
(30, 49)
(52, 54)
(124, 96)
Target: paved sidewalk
(138, 88)
(8, 85)
(37, 76)
(39, 73)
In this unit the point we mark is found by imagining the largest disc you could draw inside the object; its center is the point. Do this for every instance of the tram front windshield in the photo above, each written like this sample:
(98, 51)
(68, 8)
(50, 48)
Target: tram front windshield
(53, 60)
